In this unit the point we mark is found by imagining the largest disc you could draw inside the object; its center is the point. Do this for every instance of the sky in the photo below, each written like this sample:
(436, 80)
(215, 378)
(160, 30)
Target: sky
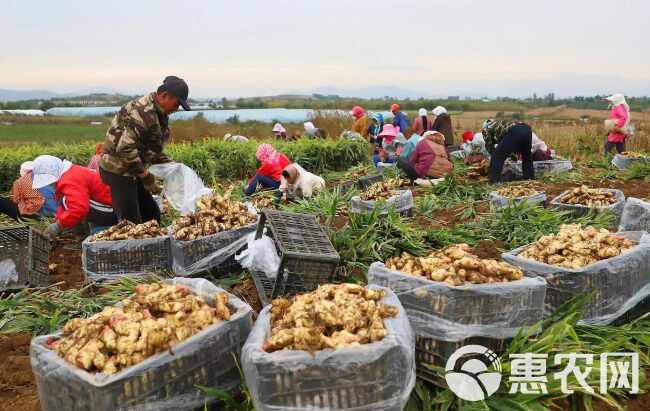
(267, 47)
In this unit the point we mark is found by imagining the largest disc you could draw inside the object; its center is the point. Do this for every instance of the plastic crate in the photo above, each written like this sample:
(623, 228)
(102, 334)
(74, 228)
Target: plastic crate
(105, 260)
(437, 352)
(307, 256)
(367, 181)
(30, 251)
(642, 308)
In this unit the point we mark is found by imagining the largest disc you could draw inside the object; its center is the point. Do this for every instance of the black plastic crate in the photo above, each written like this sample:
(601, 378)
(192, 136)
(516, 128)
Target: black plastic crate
(642, 308)
(367, 181)
(264, 286)
(30, 251)
(104, 260)
(307, 256)
(437, 352)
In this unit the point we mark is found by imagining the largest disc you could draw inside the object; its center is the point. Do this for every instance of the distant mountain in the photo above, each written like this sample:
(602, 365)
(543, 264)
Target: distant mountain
(21, 95)
(374, 92)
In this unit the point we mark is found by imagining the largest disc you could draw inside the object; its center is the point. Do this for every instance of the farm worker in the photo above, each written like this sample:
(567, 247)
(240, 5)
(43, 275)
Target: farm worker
(409, 146)
(361, 124)
(430, 158)
(136, 138)
(270, 171)
(25, 201)
(504, 138)
(422, 122)
(376, 125)
(540, 150)
(279, 131)
(618, 123)
(312, 131)
(442, 123)
(399, 117)
(299, 183)
(80, 193)
(236, 139)
(93, 163)
(389, 147)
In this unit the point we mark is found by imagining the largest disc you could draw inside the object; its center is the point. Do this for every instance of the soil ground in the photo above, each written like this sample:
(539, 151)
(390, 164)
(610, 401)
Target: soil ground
(17, 385)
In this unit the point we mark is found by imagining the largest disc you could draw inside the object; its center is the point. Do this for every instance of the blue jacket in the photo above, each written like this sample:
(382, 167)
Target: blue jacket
(401, 120)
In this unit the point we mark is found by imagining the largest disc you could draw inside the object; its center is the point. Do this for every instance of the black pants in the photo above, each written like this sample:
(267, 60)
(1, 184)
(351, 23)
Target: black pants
(9, 208)
(131, 201)
(408, 168)
(518, 140)
(620, 147)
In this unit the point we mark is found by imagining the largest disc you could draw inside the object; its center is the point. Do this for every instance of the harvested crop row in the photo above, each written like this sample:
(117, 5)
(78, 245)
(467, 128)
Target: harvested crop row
(214, 214)
(574, 247)
(455, 265)
(333, 316)
(590, 197)
(634, 154)
(126, 230)
(155, 319)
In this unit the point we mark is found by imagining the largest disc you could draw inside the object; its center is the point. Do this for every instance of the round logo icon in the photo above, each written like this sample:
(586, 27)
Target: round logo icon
(473, 372)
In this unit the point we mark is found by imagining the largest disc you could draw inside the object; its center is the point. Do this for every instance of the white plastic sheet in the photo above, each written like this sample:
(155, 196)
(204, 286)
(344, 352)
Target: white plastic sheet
(376, 376)
(402, 201)
(443, 312)
(498, 202)
(540, 167)
(622, 162)
(8, 273)
(617, 283)
(579, 209)
(182, 186)
(260, 256)
(166, 381)
(636, 215)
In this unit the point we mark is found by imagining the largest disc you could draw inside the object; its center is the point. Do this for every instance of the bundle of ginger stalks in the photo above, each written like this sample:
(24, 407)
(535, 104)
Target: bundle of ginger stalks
(590, 197)
(455, 265)
(126, 230)
(215, 214)
(333, 316)
(153, 320)
(383, 190)
(574, 247)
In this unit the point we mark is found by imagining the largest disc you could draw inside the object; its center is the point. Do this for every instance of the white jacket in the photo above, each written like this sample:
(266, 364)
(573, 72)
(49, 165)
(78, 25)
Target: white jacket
(306, 183)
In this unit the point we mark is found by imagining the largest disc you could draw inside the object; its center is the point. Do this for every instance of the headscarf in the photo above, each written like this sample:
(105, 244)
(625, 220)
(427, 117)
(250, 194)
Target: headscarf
(378, 117)
(439, 110)
(26, 167)
(618, 99)
(99, 148)
(394, 107)
(309, 126)
(266, 153)
(48, 170)
(422, 112)
(435, 136)
(425, 120)
(357, 112)
(279, 129)
(467, 136)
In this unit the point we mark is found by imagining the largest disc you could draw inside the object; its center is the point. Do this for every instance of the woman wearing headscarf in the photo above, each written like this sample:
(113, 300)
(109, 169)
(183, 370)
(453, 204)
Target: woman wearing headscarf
(270, 172)
(540, 150)
(361, 122)
(430, 158)
(504, 138)
(25, 201)
(442, 123)
(391, 139)
(93, 163)
(400, 119)
(299, 183)
(279, 131)
(617, 123)
(80, 192)
(376, 125)
(422, 122)
(312, 131)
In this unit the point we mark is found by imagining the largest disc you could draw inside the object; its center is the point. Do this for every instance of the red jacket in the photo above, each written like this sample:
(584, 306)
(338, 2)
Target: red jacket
(274, 170)
(75, 189)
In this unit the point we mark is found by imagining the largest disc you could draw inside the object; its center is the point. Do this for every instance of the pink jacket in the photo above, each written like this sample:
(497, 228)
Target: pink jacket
(620, 114)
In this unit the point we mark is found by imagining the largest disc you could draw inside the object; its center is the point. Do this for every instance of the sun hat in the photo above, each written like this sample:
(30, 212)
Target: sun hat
(439, 110)
(48, 170)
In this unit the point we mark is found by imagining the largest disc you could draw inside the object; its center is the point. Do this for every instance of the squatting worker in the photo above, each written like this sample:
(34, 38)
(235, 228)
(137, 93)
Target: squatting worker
(135, 140)
(504, 138)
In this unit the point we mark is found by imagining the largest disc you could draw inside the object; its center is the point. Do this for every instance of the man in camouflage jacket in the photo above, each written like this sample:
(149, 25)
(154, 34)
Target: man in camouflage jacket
(504, 138)
(135, 140)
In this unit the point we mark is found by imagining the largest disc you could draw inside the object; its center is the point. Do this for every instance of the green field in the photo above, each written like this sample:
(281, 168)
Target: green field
(51, 133)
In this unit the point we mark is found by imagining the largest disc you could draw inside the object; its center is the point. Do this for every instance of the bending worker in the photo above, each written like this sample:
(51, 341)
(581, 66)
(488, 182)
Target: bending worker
(136, 139)
(504, 138)
(299, 183)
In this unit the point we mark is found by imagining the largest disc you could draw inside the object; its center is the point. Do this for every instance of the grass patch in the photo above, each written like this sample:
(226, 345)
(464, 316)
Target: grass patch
(51, 133)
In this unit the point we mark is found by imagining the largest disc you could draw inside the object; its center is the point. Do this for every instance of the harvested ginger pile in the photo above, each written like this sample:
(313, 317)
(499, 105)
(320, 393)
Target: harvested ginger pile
(575, 248)
(517, 191)
(590, 197)
(126, 230)
(383, 190)
(634, 154)
(214, 214)
(333, 316)
(153, 320)
(455, 265)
